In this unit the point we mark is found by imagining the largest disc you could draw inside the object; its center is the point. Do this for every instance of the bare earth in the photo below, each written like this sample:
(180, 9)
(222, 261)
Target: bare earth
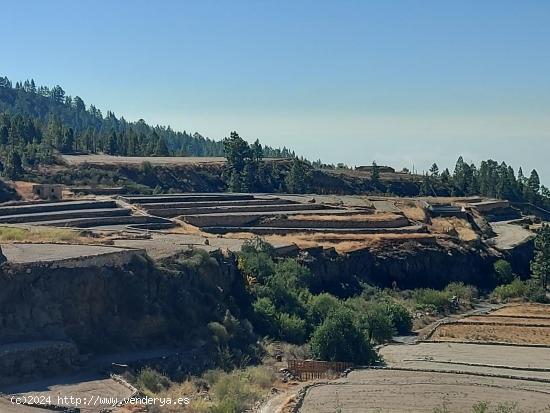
(404, 391)
(25, 253)
(94, 392)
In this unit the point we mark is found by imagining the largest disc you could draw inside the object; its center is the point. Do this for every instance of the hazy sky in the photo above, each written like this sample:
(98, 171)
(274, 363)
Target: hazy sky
(400, 82)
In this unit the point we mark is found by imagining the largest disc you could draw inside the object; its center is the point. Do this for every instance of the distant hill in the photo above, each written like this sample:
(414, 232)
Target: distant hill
(52, 118)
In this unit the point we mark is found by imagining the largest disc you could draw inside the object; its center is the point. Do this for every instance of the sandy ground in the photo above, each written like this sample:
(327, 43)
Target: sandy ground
(95, 392)
(6, 406)
(403, 391)
(24, 253)
(532, 362)
(509, 235)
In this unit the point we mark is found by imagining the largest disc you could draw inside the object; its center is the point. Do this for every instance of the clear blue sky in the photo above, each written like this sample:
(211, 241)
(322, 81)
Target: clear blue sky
(399, 82)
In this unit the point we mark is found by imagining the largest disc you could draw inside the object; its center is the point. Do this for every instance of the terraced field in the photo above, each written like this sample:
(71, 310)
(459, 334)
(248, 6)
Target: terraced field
(502, 358)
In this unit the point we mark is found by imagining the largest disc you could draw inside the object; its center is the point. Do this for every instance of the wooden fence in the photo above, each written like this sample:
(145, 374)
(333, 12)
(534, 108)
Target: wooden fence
(312, 369)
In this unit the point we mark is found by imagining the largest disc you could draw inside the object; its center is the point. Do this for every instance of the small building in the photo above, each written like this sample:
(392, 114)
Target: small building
(48, 191)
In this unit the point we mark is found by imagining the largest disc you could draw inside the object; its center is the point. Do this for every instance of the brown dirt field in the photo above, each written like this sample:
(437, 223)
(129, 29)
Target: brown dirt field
(413, 212)
(454, 226)
(24, 190)
(490, 333)
(525, 310)
(508, 320)
(404, 391)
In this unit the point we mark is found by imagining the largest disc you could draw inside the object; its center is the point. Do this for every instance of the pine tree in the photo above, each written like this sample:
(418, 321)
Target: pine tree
(434, 170)
(534, 181)
(540, 266)
(295, 180)
(161, 148)
(13, 169)
(234, 182)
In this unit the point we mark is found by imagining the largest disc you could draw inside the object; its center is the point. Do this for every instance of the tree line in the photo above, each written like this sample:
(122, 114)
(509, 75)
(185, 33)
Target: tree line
(491, 179)
(55, 122)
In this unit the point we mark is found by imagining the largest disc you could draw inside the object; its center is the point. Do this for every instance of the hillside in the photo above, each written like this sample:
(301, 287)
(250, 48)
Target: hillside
(50, 117)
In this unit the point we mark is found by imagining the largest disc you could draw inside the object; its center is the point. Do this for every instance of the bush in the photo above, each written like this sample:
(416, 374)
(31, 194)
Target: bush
(152, 381)
(462, 291)
(515, 289)
(292, 328)
(238, 390)
(534, 291)
(320, 306)
(429, 298)
(339, 339)
(401, 318)
(503, 272)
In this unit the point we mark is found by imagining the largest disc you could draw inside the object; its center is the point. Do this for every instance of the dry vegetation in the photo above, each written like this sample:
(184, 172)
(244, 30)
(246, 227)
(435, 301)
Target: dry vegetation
(524, 310)
(9, 234)
(493, 333)
(346, 242)
(515, 324)
(413, 211)
(454, 227)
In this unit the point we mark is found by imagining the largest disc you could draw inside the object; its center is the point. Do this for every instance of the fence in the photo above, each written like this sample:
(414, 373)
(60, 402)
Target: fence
(311, 369)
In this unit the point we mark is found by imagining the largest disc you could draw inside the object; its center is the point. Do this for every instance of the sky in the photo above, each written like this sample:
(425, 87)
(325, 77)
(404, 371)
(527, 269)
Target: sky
(404, 83)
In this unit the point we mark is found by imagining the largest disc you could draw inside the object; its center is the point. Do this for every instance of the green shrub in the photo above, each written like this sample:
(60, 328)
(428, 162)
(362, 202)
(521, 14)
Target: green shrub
(462, 291)
(238, 390)
(400, 317)
(534, 291)
(292, 328)
(503, 272)
(152, 381)
(320, 306)
(429, 298)
(339, 339)
(377, 323)
(515, 289)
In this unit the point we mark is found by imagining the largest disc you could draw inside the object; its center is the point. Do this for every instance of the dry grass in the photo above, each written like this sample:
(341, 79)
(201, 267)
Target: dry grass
(414, 212)
(524, 310)
(508, 320)
(345, 242)
(24, 189)
(489, 333)
(455, 227)
(41, 234)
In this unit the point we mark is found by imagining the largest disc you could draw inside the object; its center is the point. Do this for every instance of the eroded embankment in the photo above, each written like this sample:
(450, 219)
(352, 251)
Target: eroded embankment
(409, 265)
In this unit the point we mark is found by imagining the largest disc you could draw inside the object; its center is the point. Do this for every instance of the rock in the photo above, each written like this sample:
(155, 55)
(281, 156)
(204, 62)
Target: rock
(3, 258)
